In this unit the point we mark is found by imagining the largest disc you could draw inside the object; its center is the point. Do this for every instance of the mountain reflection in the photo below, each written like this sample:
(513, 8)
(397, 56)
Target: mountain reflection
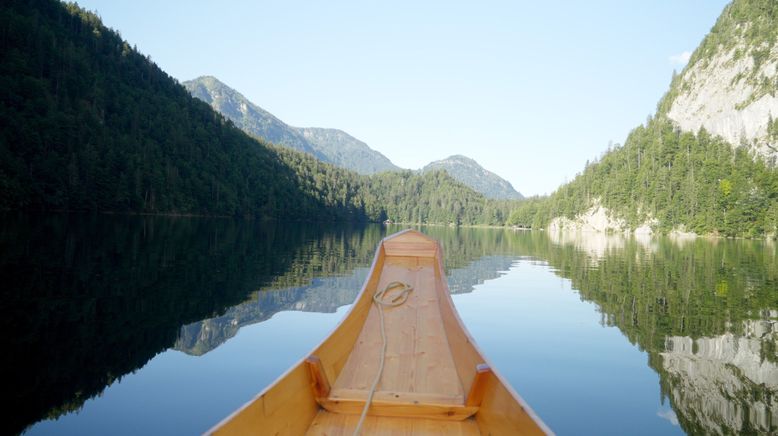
(705, 311)
(724, 383)
(321, 295)
(91, 298)
(88, 299)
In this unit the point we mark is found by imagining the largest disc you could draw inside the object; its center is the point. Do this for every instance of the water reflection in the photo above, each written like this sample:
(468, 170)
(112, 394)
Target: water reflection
(88, 299)
(704, 310)
(724, 384)
(323, 295)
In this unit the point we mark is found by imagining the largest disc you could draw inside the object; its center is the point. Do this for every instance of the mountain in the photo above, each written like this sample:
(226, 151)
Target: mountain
(332, 145)
(322, 294)
(97, 126)
(706, 163)
(329, 145)
(729, 85)
(249, 117)
(475, 176)
(343, 150)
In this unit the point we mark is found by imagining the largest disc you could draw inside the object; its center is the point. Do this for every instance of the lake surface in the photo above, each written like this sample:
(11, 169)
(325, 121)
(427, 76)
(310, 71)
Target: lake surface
(149, 325)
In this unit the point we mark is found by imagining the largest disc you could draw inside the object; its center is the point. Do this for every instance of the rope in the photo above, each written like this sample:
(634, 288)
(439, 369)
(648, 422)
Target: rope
(378, 300)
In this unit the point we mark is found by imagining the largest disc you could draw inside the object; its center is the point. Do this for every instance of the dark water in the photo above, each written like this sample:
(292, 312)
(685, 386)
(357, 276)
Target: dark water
(141, 325)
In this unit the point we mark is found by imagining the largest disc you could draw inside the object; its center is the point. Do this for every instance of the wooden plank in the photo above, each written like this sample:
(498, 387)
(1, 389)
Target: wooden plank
(478, 387)
(418, 359)
(319, 382)
(410, 244)
(502, 411)
(435, 369)
(399, 409)
(399, 397)
(287, 407)
(430, 359)
(332, 424)
(411, 249)
(336, 349)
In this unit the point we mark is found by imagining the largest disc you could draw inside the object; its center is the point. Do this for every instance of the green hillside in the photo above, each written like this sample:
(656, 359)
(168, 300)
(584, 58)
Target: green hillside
(92, 124)
(472, 174)
(328, 145)
(672, 178)
(697, 182)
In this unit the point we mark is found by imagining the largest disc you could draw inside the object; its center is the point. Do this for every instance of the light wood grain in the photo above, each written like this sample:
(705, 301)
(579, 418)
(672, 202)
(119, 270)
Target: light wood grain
(418, 359)
(478, 388)
(271, 411)
(331, 424)
(431, 361)
(319, 383)
(414, 409)
(502, 410)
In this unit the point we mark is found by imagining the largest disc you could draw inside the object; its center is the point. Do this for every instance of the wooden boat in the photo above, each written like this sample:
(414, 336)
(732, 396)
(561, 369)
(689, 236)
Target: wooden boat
(434, 378)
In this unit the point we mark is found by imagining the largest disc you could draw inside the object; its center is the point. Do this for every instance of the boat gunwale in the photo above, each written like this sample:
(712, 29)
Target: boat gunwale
(378, 253)
(472, 342)
(381, 252)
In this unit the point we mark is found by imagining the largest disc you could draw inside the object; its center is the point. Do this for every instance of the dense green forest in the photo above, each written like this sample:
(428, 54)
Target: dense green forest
(680, 179)
(690, 181)
(697, 291)
(88, 298)
(92, 124)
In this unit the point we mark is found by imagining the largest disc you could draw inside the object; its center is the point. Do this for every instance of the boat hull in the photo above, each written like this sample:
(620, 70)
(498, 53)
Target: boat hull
(435, 379)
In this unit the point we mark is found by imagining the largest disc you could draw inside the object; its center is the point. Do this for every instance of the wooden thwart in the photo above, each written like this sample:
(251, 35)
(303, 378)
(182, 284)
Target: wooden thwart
(411, 409)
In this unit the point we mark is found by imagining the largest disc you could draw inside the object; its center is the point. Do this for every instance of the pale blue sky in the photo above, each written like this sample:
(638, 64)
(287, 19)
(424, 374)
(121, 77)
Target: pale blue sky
(531, 90)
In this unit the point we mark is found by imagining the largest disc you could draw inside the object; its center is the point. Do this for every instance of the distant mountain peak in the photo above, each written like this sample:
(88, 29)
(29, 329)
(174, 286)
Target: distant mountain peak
(469, 172)
(334, 145)
(329, 145)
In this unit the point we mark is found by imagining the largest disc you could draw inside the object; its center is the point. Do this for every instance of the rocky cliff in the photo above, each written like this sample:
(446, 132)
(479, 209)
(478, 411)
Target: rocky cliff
(729, 86)
(715, 379)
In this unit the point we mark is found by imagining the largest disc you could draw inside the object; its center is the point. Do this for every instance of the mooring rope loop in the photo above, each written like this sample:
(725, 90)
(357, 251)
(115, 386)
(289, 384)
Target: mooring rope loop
(378, 300)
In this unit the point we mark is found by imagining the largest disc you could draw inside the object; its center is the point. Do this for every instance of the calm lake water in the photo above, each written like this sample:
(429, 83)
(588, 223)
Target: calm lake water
(148, 325)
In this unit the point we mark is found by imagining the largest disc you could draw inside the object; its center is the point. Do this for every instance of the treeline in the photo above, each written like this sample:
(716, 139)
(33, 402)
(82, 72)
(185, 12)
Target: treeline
(682, 180)
(101, 296)
(89, 123)
(679, 180)
(700, 289)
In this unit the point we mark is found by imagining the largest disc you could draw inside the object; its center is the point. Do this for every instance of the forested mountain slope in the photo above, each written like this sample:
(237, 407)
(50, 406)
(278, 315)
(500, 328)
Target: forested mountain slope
(89, 123)
(329, 145)
(249, 117)
(335, 146)
(346, 151)
(673, 173)
(472, 174)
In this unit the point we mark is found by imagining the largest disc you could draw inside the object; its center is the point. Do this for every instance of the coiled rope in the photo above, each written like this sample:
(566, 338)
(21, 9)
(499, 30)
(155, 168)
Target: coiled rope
(378, 300)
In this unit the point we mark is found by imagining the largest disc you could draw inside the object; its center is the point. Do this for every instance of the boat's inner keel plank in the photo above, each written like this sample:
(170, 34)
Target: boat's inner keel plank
(418, 361)
(333, 424)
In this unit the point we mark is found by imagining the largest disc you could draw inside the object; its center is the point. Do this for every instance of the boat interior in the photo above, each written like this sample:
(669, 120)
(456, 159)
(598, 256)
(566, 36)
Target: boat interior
(434, 379)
